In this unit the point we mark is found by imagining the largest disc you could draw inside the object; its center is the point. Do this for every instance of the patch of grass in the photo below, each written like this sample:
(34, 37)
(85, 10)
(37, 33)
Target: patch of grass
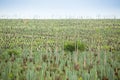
(73, 46)
(13, 52)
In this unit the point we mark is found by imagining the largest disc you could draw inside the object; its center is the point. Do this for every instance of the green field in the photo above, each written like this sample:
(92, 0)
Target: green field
(66, 49)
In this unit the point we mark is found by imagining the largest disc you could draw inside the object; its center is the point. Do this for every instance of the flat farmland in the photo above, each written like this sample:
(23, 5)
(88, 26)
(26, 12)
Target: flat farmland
(60, 49)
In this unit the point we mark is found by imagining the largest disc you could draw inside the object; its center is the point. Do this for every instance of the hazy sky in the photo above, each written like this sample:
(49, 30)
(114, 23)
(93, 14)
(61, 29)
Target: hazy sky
(59, 8)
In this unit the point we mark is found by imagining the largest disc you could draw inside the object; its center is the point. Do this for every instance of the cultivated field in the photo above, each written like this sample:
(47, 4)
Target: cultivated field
(71, 49)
